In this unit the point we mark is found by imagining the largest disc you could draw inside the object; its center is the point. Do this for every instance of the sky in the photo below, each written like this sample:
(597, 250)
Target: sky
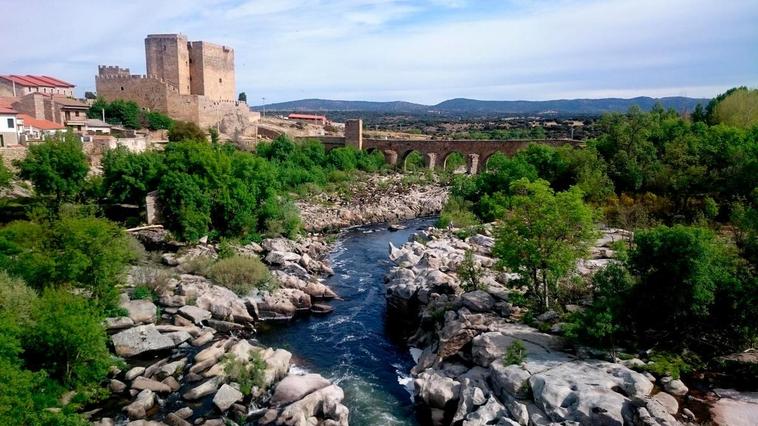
(421, 51)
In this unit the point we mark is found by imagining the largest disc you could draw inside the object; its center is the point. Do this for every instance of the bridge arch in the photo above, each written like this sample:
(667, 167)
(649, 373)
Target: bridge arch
(453, 161)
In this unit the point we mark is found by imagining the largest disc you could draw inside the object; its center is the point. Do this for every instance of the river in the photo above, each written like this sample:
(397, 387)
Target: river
(352, 346)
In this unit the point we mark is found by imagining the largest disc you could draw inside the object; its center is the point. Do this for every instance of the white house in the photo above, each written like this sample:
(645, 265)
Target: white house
(8, 127)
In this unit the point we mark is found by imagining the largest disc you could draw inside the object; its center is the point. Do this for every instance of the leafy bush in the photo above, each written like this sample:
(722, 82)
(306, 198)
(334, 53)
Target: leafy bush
(242, 274)
(68, 339)
(515, 354)
(668, 364)
(249, 374)
(469, 272)
(186, 131)
(84, 252)
(142, 292)
(456, 213)
(153, 279)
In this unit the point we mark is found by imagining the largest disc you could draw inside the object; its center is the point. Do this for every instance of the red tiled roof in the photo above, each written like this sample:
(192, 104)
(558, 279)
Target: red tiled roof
(4, 110)
(40, 124)
(36, 80)
(307, 117)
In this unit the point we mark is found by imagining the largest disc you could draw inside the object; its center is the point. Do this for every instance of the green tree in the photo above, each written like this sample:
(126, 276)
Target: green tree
(698, 115)
(608, 315)
(690, 289)
(156, 120)
(129, 176)
(56, 167)
(542, 235)
(738, 109)
(68, 339)
(710, 109)
(186, 130)
(242, 97)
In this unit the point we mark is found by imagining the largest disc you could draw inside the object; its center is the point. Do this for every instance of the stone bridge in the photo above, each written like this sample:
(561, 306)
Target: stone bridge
(436, 152)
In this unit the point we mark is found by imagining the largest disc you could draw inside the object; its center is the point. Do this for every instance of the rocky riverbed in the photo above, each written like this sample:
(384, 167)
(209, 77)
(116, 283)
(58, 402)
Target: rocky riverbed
(184, 350)
(463, 375)
(379, 199)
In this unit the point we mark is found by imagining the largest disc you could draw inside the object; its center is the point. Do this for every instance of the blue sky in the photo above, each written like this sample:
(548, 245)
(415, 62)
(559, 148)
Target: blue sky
(421, 51)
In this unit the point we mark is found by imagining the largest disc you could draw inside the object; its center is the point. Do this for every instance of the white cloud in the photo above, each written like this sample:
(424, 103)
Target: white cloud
(413, 50)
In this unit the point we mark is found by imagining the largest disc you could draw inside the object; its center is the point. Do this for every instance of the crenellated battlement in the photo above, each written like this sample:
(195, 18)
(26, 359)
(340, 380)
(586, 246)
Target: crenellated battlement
(111, 70)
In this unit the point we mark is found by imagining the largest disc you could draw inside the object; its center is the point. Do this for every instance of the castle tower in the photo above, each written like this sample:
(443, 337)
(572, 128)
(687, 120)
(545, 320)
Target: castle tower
(212, 70)
(167, 57)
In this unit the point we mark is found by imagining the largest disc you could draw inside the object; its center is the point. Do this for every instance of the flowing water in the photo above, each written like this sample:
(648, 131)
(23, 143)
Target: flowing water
(352, 346)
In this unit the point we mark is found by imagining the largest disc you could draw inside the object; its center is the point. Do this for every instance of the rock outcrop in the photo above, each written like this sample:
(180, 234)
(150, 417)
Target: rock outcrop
(378, 200)
(464, 374)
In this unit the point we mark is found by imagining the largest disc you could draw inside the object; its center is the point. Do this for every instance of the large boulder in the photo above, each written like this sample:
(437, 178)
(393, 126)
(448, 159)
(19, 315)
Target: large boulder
(597, 392)
(543, 350)
(323, 406)
(142, 404)
(142, 383)
(293, 388)
(141, 311)
(436, 390)
(277, 365)
(195, 314)
(478, 301)
(137, 340)
(226, 397)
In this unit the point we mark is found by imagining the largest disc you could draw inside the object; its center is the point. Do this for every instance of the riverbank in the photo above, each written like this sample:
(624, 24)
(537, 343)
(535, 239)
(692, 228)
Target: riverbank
(378, 199)
(190, 350)
(477, 364)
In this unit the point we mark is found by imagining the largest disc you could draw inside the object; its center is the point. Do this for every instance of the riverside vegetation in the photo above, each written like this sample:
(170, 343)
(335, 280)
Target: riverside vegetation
(685, 284)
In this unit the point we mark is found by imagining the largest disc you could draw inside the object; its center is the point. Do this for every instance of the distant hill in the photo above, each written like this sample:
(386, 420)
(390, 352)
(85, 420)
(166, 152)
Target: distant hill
(477, 107)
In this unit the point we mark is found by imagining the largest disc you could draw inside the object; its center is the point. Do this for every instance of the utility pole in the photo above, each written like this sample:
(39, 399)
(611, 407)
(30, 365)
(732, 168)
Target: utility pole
(103, 110)
(264, 106)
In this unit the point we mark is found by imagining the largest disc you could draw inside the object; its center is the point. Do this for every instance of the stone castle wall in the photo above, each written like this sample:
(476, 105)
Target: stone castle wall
(212, 70)
(167, 57)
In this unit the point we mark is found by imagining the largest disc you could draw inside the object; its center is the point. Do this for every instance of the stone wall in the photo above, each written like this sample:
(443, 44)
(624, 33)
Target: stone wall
(148, 92)
(10, 154)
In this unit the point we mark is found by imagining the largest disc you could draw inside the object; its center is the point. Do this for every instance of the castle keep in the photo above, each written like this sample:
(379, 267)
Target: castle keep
(191, 81)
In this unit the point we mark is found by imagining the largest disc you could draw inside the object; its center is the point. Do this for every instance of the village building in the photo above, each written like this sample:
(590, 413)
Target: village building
(94, 125)
(8, 127)
(68, 112)
(34, 129)
(190, 81)
(308, 118)
(22, 85)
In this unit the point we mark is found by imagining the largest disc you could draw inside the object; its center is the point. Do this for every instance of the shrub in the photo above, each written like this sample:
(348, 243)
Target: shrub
(668, 364)
(142, 292)
(186, 131)
(456, 213)
(198, 265)
(241, 274)
(515, 354)
(68, 339)
(687, 279)
(469, 272)
(84, 252)
(249, 374)
(154, 279)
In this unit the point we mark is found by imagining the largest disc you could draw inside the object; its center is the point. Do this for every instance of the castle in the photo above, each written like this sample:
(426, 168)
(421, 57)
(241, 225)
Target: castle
(190, 81)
